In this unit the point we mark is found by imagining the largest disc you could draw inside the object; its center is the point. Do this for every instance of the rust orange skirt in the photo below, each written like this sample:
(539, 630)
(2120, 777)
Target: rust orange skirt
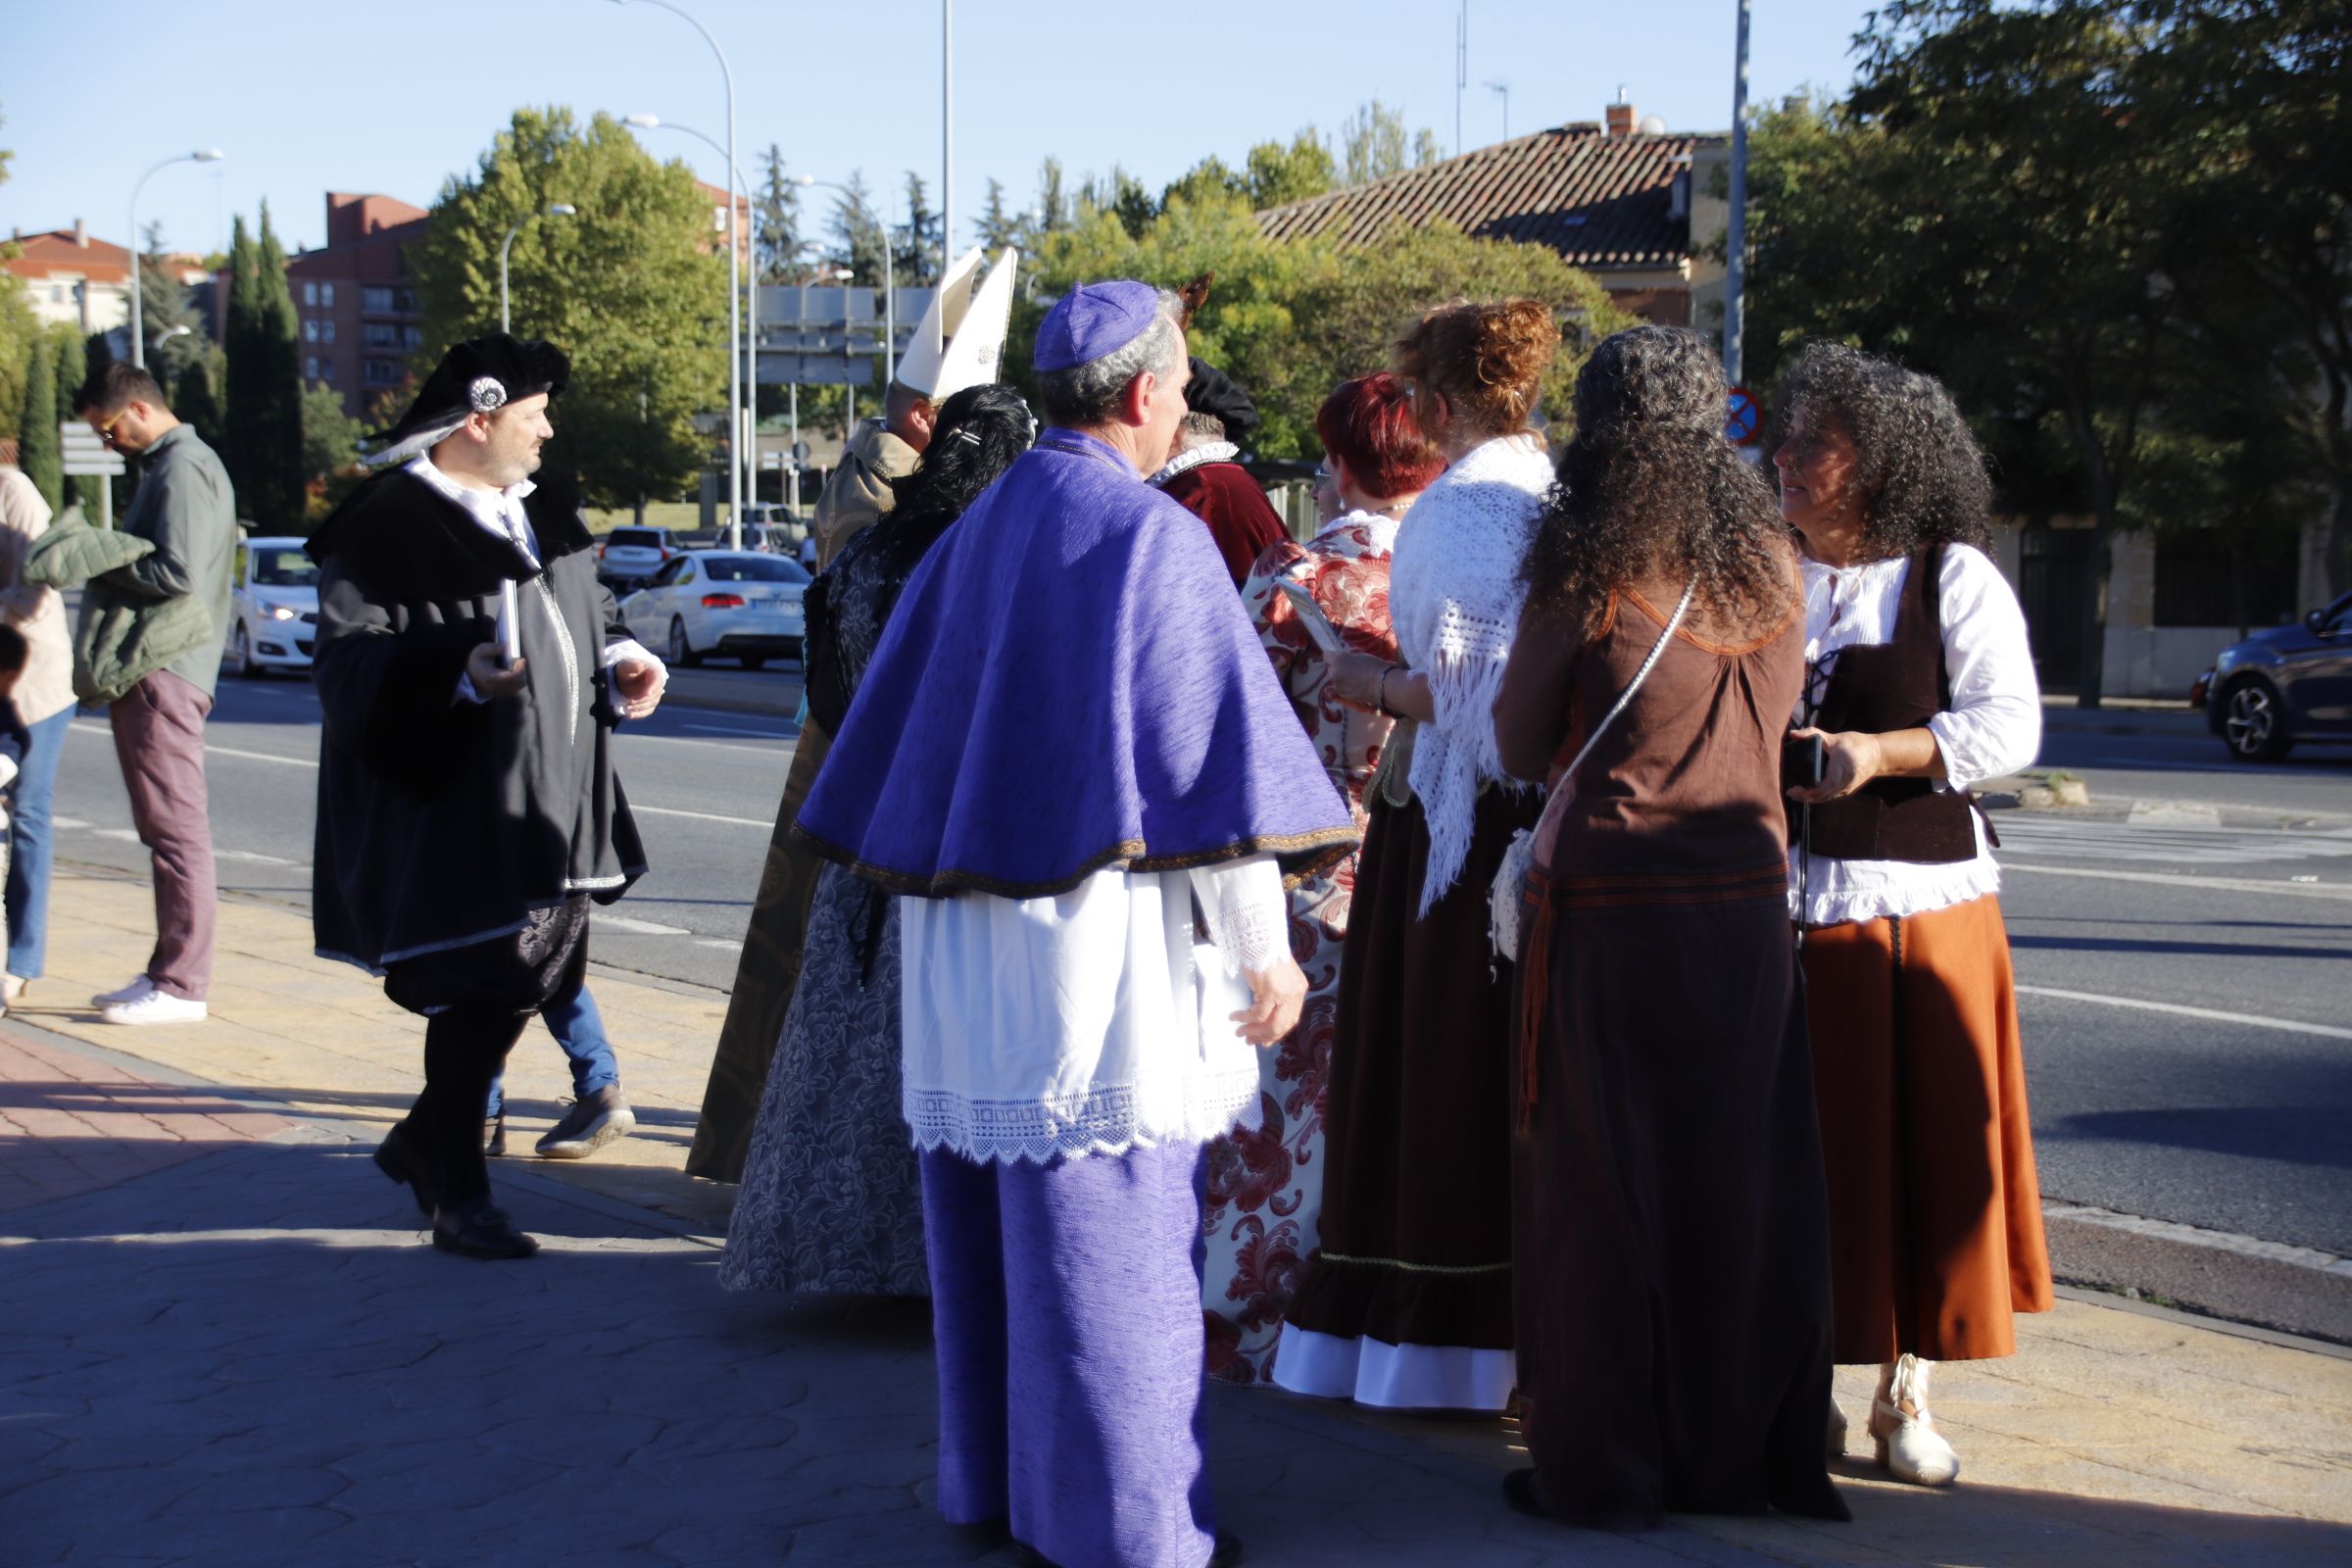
(1934, 1215)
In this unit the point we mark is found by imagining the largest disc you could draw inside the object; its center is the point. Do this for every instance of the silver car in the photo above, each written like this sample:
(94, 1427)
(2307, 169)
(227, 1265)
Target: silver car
(630, 557)
(724, 603)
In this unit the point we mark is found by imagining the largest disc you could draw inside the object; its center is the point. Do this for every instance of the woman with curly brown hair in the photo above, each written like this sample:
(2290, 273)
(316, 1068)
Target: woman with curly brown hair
(1919, 683)
(1408, 1304)
(1670, 1226)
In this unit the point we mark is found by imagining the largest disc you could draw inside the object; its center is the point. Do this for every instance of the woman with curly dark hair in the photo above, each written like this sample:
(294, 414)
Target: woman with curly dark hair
(1919, 683)
(830, 1200)
(1670, 1228)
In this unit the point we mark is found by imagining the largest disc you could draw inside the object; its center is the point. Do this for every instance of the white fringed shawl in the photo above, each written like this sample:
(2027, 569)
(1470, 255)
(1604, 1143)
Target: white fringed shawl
(1455, 594)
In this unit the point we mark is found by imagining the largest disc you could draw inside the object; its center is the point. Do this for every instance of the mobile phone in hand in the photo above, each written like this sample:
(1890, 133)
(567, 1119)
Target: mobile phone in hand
(1804, 761)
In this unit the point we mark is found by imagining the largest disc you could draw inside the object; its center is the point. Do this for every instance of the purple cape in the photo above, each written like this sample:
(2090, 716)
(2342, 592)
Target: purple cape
(1068, 683)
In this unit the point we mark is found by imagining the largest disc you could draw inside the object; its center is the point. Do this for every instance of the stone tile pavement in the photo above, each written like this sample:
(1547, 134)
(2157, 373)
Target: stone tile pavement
(245, 1354)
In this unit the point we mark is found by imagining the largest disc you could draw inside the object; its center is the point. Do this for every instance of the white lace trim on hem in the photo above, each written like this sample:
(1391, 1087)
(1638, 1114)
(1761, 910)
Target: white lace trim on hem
(1103, 1120)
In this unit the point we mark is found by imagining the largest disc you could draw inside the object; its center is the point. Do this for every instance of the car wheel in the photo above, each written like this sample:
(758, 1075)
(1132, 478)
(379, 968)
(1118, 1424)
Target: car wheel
(754, 660)
(240, 649)
(2254, 723)
(681, 653)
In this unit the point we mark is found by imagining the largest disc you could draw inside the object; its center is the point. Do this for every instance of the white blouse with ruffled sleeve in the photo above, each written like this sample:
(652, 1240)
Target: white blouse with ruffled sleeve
(1993, 728)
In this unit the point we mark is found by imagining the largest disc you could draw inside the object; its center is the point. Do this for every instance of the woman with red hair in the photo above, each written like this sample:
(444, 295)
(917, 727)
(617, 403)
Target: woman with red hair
(1265, 1187)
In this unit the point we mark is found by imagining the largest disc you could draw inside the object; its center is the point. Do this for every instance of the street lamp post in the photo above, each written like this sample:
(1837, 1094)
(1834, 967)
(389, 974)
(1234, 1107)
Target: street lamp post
(890, 289)
(1735, 282)
(748, 348)
(138, 336)
(553, 209)
(735, 440)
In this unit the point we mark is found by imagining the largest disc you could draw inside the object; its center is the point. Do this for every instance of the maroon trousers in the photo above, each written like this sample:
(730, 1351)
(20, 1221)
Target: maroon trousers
(159, 739)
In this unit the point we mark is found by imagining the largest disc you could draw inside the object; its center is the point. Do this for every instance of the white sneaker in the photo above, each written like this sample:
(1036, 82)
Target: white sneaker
(1836, 1432)
(155, 1006)
(12, 987)
(132, 992)
(1908, 1443)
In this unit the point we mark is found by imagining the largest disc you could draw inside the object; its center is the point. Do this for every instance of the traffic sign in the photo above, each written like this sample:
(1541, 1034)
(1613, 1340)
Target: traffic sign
(1744, 426)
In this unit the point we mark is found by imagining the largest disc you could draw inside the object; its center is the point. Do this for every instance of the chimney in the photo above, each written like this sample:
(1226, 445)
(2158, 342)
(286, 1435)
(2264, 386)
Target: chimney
(1620, 120)
(82, 233)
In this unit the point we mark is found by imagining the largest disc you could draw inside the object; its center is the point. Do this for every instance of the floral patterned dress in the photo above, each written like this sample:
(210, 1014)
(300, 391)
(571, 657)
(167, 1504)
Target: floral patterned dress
(1265, 1187)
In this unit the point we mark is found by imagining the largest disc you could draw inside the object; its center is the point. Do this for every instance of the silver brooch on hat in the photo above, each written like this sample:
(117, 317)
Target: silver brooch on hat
(486, 395)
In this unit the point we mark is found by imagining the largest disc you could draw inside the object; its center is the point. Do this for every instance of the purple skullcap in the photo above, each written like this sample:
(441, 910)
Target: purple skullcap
(1091, 320)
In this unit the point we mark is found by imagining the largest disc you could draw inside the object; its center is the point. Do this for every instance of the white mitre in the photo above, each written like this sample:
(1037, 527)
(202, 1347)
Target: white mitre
(960, 340)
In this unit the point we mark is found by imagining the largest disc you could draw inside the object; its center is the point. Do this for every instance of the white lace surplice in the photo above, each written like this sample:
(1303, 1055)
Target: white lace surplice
(1455, 594)
(1993, 728)
(1087, 1023)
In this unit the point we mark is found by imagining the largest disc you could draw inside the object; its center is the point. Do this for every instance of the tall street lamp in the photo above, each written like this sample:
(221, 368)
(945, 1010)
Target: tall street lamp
(890, 289)
(735, 440)
(506, 245)
(138, 336)
(747, 349)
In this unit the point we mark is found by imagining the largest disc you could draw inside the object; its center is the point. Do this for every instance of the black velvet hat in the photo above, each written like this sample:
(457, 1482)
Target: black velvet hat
(479, 376)
(1211, 391)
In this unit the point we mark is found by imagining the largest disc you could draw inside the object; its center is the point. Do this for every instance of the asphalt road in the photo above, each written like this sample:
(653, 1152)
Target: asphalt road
(2185, 979)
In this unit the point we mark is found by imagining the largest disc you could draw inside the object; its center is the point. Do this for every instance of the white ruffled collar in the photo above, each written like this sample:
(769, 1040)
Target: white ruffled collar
(1185, 461)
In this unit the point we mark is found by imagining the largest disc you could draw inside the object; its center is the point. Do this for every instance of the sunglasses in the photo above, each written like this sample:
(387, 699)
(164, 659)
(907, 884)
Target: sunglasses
(106, 426)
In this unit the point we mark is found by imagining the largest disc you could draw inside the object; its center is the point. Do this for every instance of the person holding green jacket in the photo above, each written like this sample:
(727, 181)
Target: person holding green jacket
(186, 508)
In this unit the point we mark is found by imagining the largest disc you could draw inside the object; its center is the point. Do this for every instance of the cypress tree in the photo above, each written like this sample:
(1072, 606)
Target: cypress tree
(278, 496)
(243, 373)
(38, 451)
(73, 368)
(194, 400)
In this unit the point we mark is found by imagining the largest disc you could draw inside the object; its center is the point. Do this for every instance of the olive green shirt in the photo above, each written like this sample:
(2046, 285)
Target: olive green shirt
(860, 492)
(186, 508)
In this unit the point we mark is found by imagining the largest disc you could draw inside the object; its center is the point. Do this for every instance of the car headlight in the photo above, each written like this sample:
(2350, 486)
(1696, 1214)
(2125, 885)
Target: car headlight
(281, 612)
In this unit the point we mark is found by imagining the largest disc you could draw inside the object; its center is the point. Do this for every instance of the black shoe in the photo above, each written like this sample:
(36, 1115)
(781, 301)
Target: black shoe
(398, 1159)
(494, 1134)
(1519, 1490)
(479, 1228)
(593, 1121)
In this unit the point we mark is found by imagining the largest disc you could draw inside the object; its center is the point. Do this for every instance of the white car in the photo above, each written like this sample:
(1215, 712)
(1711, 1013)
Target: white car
(727, 604)
(273, 609)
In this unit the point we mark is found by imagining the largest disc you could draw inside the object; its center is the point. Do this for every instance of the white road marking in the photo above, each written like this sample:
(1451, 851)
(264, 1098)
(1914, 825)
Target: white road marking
(2164, 844)
(2249, 1019)
(222, 750)
(68, 822)
(2220, 884)
(637, 928)
(688, 740)
(701, 817)
(721, 729)
(257, 858)
(713, 942)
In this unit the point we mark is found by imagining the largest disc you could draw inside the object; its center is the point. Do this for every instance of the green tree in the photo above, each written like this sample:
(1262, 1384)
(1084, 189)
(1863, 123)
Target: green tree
(997, 227)
(1211, 179)
(1052, 205)
(265, 381)
(915, 261)
(38, 451)
(1123, 197)
(1372, 143)
(73, 369)
(1281, 174)
(1988, 205)
(859, 243)
(777, 243)
(631, 288)
(1426, 148)
(331, 438)
(196, 397)
(1291, 319)
(164, 306)
(19, 327)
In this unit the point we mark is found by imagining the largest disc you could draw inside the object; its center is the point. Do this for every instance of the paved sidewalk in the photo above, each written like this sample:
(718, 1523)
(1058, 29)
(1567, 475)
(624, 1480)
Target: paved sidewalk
(249, 1355)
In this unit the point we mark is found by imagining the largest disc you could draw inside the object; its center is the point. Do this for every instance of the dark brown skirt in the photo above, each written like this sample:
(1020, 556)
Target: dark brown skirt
(1416, 1229)
(1935, 1211)
(764, 977)
(1672, 1228)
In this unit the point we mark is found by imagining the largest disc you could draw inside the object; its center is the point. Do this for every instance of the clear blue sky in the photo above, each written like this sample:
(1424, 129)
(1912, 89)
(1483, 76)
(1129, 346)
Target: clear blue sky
(308, 96)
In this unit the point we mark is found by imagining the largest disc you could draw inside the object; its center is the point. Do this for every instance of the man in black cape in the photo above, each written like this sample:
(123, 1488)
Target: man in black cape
(470, 669)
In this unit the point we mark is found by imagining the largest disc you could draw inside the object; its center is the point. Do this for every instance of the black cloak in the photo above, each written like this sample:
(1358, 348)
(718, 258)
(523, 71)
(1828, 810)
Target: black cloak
(445, 823)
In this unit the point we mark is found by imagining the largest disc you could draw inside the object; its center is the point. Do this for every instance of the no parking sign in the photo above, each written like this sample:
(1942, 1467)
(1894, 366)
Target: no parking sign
(1745, 425)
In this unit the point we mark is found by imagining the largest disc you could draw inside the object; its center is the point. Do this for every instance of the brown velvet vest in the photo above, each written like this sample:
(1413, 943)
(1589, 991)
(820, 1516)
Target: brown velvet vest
(1897, 684)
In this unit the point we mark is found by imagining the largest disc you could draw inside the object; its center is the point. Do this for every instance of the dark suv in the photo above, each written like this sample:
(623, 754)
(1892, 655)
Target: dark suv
(2282, 685)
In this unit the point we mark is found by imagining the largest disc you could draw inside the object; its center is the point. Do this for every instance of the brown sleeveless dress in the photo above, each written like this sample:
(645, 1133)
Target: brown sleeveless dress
(1672, 1293)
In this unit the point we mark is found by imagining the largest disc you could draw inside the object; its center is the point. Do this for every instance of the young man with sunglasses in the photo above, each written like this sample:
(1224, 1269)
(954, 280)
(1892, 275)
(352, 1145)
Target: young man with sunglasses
(183, 504)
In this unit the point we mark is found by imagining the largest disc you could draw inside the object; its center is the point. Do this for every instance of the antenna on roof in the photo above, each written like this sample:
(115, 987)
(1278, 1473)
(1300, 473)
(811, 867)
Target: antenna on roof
(1461, 72)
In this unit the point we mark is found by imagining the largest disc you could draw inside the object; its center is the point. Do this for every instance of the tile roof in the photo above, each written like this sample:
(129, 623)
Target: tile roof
(54, 251)
(1600, 201)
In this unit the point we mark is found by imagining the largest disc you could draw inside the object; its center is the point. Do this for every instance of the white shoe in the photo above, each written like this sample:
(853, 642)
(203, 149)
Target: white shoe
(1909, 1445)
(12, 987)
(1836, 1432)
(141, 987)
(155, 1006)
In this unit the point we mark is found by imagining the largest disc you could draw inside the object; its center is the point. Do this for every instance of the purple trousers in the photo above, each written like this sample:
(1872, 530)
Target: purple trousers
(159, 739)
(1065, 1303)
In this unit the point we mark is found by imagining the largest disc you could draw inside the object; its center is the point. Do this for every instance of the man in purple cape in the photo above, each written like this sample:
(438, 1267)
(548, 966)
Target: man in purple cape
(1071, 756)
